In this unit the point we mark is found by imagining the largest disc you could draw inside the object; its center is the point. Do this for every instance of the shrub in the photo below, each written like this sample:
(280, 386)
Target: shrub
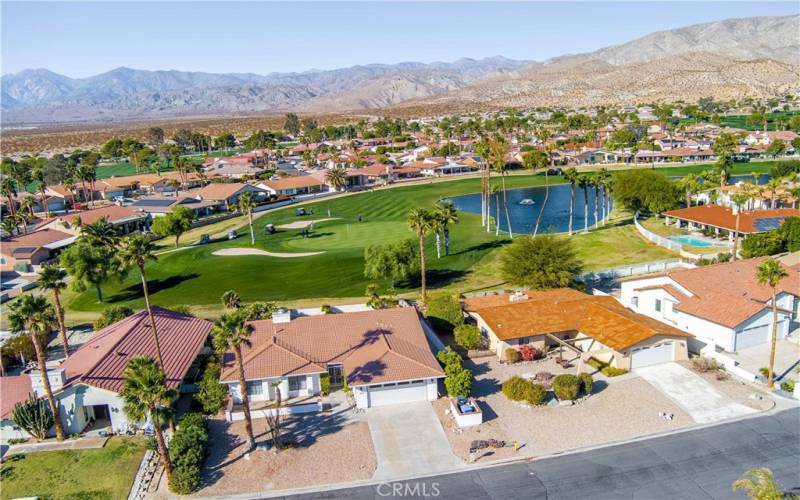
(458, 382)
(518, 389)
(546, 261)
(468, 336)
(448, 357)
(325, 383)
(566, 386)
(764, 371)
(512, 355)
(326, 309)
(586, 381)
(528, 353)
(182, 309)
(444, 313)
(187, 450)
(111, 315)
(610, 371)
(211, 393)
(703, 364)
(788, 386)
(596, 363)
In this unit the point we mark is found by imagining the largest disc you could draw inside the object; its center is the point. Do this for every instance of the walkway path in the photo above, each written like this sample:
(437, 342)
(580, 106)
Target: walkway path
(228, 252)
(68, 444)
(689, 391)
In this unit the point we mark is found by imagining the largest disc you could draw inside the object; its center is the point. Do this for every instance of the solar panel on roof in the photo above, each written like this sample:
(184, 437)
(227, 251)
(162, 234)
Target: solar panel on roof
(768, 223)
(24, 250)
(154, 203)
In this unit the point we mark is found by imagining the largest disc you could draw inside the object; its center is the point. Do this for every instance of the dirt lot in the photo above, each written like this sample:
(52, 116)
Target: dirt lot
(738, 391)
(619, 409)
(330, 449)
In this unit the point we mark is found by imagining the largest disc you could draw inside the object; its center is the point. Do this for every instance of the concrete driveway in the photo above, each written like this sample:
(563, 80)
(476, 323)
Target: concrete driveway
(700, 399)
(409, 441)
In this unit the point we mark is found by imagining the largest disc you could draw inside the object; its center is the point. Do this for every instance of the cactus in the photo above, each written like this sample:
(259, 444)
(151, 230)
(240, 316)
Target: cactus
(34, 416)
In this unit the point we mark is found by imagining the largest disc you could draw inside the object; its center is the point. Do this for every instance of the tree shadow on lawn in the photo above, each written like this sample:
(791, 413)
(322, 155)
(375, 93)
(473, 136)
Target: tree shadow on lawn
(154, 286)
(441, 277)
(487, 245)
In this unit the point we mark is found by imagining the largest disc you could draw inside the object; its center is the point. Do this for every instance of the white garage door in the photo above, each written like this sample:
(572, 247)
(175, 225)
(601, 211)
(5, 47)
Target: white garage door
(651, 355)
(401, 392)
(757, 335)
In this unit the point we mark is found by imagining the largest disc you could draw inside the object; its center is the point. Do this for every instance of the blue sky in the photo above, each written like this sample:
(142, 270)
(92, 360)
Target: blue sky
(82, 39)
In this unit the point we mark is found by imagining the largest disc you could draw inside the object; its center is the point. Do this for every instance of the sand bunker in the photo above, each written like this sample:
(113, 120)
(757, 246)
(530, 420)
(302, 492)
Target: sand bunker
(303, 223)
(228, 252)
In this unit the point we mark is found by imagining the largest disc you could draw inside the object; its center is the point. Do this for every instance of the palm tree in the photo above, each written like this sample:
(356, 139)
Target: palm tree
(26, 205)
(497, 153)
(604, 179)
(231, 300)
(420, 221)
(52, 278)
(756, 176)
(145, 396)
(246, 205)
(135, 250)
(447, 213)
(739, 200)
(101, 234)
(759, 484)
(36, 314)
(773, 185)
(87, 173)
(232, 332)
(544, 202)
(22, 218)
(8, 188)
(571, 175)
(437, 226)
(337, 177)
(584, 181)
(9, 225)
(690, 186)
(37, 174)
(771, 272)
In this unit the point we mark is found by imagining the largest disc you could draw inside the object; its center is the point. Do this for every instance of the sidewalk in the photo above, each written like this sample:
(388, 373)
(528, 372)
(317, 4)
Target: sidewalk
(53, 445)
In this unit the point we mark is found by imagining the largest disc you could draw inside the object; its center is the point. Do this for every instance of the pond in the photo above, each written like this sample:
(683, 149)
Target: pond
(524, 206)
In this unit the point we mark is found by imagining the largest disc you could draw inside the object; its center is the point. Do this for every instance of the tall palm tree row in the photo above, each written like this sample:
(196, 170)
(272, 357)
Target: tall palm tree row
(136, 250)
(420, 220)
(770, 273)
(497, 154)
(447, 214)
(145, 396)
(36, 315)
(584, 182)
(232, 332)
(53, 279)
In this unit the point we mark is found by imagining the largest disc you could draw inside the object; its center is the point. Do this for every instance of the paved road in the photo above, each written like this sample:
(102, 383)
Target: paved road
(697, 464)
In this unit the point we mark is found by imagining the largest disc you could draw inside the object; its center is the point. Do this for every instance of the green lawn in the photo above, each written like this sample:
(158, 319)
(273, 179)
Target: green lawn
(122, 169)
(195, 277)
(104, 473)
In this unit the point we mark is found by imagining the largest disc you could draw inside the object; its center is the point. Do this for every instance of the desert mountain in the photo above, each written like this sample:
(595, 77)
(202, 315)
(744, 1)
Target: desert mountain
(732, 58)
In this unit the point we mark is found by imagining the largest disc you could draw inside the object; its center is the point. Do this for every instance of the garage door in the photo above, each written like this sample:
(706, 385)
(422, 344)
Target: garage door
(651, 355)
(757, 335)
(401, 392)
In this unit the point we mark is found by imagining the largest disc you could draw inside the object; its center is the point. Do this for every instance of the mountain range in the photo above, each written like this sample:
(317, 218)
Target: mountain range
(757, 57)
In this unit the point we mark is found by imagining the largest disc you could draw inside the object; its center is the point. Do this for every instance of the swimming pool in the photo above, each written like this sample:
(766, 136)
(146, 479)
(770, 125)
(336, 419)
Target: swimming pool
(688, 240)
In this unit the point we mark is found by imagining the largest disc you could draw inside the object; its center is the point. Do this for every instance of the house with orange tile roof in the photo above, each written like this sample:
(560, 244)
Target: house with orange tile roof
(20, 253)
(721, 304)
(87, 384)
(719, 218)
(125, 219)
(588, 326)
(294, 185)
(382, 355)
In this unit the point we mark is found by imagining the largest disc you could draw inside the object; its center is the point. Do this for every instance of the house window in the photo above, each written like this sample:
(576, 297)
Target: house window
(635, 301)
(658, 305)
(255, 388)
(297, 383)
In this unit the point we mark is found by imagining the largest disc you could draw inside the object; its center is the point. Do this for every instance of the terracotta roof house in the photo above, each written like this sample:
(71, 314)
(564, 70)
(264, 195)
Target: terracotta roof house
(13, 389)
(294, 185)
(125, 219)
(20, 253)
(87, 384)
(720, 304)
(383, 355)
(228, 193)
(585, 326)
(724, 218)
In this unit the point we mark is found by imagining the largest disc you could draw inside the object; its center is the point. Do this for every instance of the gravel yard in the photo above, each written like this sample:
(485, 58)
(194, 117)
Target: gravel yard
(738, 391)
(460, 439)
(620, 409)
(331, 449)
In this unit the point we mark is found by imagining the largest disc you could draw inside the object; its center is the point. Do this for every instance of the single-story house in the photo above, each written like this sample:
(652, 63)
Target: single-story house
(14, 389)
(158, 206)
(720, 304)
(589, 326)
(721, 218)
(20, 253)
(125, 219)
(294, 185)
(382, 355)
(87, 384)
(228, 193)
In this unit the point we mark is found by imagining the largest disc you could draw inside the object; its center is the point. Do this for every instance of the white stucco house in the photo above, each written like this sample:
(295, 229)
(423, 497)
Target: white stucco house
(87, 384)
(720, 304)
(382, 355)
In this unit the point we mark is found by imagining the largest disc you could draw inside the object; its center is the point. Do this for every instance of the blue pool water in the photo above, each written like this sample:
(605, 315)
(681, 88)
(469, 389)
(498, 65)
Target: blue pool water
(688, 240)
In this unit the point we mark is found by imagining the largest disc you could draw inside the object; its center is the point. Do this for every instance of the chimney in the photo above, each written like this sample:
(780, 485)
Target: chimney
(55, 376)
(282, 315)
(517, 296)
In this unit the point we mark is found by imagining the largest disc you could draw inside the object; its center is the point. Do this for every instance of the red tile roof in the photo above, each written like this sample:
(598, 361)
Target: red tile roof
(113, 213)
(724, 218)
(13, 390)
(294, 182)
(101, 361)
(36, 239)
(372, 346)
(566, 310)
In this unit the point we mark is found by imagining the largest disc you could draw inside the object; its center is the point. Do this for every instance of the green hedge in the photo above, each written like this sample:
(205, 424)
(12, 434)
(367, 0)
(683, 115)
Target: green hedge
(512, 355)
(587, 382)
(567, 386)
(187, 450)
(518, 389)
(468, 336)
(610, 371)
(444, 313)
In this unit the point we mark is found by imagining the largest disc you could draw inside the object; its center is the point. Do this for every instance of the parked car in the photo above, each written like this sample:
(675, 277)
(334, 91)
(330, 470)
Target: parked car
(232, 234)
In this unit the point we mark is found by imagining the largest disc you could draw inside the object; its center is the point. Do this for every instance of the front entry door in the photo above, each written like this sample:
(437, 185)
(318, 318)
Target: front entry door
(336, 375)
